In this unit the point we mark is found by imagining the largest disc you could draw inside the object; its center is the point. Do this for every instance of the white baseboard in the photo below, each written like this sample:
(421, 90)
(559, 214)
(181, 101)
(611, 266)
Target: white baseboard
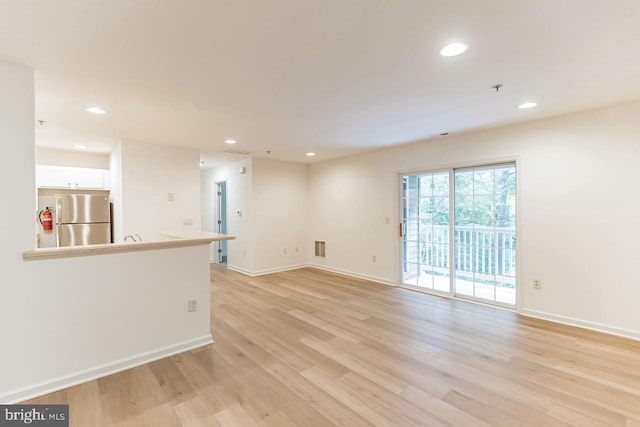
(266, 271)
(240, 270)
(100, 371)
(356, 275)
(279, 269)
(585, 324)
(319, 267)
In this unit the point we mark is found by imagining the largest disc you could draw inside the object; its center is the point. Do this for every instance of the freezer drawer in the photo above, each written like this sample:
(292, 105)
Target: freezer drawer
(84, 234)
(82, 208)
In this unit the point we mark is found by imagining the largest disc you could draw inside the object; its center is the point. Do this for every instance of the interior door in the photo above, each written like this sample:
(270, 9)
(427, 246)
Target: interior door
(221, 219)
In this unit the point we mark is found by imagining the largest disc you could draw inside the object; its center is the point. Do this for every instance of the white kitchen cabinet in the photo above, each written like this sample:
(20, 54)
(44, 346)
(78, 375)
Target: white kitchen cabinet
(68, 177)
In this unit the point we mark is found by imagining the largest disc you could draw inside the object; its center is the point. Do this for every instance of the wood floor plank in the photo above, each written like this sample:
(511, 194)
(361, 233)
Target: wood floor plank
(173, 382)
(195, 412)
(316, 349)
(378, 376)
(235, 416)
(333, 409)
(355, 402)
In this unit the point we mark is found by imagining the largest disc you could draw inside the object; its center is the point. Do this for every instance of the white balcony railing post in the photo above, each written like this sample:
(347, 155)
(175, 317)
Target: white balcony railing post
(487, 250)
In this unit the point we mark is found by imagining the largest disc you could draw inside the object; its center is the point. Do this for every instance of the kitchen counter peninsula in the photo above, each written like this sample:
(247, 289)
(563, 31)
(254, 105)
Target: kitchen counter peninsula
(166, 240)
(111, 307)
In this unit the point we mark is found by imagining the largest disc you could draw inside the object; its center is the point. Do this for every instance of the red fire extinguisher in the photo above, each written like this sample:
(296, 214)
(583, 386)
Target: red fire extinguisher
(45, 219)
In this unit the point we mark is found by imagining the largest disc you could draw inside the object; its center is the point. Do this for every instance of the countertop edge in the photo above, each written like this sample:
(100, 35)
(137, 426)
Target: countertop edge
(76, 251)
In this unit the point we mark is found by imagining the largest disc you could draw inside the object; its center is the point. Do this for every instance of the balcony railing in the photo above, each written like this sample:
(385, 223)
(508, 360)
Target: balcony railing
(486, 254)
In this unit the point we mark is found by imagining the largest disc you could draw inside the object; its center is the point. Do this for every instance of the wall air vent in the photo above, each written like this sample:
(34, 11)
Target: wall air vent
(240, 152)
(320, 245)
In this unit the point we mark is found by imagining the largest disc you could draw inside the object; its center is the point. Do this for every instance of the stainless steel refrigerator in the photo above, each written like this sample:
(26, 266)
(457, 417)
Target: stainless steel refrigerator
(82, 219)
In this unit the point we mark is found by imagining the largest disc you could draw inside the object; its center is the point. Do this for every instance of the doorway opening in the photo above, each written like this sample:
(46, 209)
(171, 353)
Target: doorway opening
(221, 220)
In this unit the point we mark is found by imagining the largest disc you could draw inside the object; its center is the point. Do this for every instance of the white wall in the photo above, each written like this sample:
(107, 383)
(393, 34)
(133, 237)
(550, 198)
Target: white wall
(115, 165)
(66, 320)
(280, 217)
(149, 172)
(85, 317)
(578, 210)
(240, 251)
(208, 200)
(272, 196)
(79, 159)
(20, 335)
(349, 200)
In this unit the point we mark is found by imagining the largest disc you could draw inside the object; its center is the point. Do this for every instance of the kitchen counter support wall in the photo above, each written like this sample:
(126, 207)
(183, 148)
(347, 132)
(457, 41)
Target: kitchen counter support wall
(64, 321)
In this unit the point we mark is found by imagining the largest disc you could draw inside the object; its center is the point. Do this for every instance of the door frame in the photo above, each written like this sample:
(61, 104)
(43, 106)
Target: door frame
(221, 245)
(451, 167)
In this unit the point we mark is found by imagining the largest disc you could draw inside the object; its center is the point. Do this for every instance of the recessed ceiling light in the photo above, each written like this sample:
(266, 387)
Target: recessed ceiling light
(96, 110)
(230, 141)
(310, 154)
(80, 147)
(454, 49)
(526, 105)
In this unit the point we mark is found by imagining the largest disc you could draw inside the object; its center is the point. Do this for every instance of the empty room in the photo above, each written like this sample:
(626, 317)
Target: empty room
(320, 213)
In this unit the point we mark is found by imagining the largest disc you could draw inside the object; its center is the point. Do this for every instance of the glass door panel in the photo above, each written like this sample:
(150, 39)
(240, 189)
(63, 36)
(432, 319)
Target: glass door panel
(425, 223)
(484, 233)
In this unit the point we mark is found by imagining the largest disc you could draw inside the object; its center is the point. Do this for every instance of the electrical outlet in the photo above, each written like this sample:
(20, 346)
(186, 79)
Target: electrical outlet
(193, 305)
(537, 284)
(373, 258)
(285, 251)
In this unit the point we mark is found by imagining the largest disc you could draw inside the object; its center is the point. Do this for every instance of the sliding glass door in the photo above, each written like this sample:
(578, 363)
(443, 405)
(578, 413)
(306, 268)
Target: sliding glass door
(472, 253)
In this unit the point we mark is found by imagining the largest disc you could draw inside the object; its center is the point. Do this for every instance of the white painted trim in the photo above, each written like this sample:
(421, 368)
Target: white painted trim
(317, 266)
(279, 269)
(240, 270)
(356, 275)
(585, 324)
(100, 371)
(268, 270)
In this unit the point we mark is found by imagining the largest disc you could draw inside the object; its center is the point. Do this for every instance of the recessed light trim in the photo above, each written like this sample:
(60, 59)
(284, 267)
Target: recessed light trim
(80, 147)
(96, 110)
(526, 105)
(311, 154)
(454, 49)
(230, 141)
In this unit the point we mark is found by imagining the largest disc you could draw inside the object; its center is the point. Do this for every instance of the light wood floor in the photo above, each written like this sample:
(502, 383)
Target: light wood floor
(309, 348)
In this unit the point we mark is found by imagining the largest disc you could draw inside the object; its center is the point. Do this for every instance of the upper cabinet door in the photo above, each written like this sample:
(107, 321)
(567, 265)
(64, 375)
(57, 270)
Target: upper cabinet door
(67, 177)
(53, 177)
(89, 178)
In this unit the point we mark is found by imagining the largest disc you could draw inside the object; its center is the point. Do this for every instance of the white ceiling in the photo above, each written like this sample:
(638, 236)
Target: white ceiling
(332, 76)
